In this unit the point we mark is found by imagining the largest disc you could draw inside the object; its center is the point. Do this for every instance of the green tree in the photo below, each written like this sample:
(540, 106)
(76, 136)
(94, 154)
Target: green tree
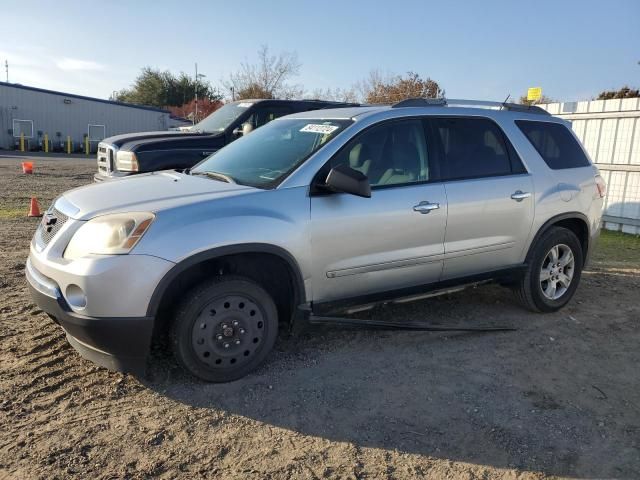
(164, 89)
(624, 92)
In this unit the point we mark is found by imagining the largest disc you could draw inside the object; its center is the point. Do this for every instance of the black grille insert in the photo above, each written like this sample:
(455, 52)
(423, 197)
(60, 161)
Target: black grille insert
(51, 223)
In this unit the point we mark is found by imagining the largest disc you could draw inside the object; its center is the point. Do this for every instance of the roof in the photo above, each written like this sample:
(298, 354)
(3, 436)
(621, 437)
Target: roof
(310, 101)
(82, 97)
(339, 113)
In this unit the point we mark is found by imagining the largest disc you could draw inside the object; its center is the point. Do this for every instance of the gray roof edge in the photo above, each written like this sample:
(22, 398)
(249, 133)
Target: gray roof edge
(82, 97)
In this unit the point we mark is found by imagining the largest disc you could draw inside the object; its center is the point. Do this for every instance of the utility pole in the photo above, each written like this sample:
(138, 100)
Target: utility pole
(198, 77)
(6, 67)
(196, 114)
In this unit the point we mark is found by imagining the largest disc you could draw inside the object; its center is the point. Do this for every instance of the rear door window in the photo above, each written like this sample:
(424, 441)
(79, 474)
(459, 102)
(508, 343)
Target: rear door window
(555, 144)
(473, 148)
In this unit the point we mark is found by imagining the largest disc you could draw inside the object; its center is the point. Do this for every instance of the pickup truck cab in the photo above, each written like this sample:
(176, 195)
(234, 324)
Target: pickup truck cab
(131, 153)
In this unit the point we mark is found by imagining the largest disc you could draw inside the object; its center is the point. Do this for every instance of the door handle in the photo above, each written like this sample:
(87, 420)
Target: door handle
(519, 195)
(425, 207)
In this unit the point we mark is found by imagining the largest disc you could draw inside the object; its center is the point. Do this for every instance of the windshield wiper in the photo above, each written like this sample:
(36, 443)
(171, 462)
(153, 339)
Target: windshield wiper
(216, 176)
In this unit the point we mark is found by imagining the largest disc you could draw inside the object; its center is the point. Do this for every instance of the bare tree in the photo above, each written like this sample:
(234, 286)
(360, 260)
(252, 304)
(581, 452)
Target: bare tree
(349, 95)
(268, 78)
(379, 88)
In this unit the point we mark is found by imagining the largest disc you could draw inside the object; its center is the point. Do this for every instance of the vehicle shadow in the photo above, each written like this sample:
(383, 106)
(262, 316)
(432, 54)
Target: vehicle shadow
(557, 396)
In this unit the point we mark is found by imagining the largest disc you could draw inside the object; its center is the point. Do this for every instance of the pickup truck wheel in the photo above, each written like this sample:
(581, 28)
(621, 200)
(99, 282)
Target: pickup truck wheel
(224, 328)
(552, 277)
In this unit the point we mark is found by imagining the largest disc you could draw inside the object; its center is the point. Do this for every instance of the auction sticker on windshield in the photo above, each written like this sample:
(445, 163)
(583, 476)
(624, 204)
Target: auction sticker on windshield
(315, 128)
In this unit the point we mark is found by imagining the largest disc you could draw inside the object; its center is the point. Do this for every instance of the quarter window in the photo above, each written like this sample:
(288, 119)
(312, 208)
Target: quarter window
(472, 148)
(393, 153)
(555, 144)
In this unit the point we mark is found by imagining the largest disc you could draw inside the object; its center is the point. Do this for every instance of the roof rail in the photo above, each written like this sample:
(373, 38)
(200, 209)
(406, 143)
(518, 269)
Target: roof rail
(441, 102)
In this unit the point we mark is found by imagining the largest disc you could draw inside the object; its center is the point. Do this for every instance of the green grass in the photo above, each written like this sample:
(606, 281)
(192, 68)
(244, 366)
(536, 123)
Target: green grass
(12, 213)
(618, 250)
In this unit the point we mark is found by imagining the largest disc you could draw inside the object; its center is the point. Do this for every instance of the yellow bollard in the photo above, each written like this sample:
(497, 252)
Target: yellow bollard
(46, 143)
(68, 145)
(86, 145)
(22, 142)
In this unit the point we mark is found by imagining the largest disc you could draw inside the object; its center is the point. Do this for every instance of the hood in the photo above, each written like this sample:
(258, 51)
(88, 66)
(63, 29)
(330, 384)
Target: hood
(151, 192)
(120, 140)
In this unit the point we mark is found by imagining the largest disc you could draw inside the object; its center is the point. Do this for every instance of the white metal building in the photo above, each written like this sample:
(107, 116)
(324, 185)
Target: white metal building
(610, 131)
(35, 112)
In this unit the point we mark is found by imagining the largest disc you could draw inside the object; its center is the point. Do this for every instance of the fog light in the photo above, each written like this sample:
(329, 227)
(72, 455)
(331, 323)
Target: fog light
(75, 296)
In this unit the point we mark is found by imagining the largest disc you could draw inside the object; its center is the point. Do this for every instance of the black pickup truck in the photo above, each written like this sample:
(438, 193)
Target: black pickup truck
(132, 153)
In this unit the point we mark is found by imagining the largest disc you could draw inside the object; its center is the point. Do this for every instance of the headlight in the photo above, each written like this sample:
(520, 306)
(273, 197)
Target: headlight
(113, 234)
(127, 161)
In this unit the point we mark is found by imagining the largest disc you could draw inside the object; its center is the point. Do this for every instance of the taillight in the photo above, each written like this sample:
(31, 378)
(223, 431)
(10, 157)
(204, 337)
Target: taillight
(601, 186)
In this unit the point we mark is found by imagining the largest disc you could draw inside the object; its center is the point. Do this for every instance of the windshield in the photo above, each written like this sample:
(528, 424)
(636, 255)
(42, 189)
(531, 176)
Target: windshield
(219, 120)
(266, 156)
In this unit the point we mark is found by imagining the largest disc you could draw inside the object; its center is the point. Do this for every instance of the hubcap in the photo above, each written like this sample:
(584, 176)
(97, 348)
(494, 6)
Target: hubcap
(228, 332)
(557, 271)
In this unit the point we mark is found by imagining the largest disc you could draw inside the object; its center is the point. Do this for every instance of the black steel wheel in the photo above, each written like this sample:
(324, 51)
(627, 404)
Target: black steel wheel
(224, 328)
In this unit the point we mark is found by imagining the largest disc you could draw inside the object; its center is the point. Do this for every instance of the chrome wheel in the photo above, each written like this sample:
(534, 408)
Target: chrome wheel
(228, 332)
(557, 271)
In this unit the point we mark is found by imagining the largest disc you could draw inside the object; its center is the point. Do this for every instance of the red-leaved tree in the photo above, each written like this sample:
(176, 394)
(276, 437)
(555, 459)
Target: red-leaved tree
(205, 108)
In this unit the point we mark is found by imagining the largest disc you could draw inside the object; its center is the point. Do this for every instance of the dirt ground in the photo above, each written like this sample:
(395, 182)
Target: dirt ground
(558, 397)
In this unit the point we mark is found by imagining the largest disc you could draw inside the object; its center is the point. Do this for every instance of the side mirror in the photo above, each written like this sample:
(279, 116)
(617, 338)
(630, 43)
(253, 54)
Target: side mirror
(345, 179)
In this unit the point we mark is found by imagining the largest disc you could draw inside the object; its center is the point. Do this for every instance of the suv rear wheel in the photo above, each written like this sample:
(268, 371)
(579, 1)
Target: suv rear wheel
(224, 328)
(555, 266)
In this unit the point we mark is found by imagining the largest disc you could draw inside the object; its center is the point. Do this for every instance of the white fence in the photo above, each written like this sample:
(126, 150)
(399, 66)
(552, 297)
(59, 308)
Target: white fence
(610, 131)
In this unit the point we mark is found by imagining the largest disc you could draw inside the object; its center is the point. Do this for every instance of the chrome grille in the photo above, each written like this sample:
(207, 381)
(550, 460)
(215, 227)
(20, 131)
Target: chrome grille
(52, 222)
(106, 158)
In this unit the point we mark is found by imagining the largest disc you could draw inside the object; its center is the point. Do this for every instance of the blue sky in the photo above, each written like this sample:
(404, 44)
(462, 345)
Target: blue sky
(474, 49)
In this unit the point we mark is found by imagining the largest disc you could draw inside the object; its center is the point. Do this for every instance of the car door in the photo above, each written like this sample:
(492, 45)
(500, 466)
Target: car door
(390, 241)
(489, 195)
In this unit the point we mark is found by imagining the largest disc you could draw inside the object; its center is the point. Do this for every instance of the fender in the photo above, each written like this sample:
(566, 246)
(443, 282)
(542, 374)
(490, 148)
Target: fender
(563, 216)
(161, 288)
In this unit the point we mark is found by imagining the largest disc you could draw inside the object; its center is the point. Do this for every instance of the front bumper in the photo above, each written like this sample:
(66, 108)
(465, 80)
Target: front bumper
(120, 344)
(117, 343)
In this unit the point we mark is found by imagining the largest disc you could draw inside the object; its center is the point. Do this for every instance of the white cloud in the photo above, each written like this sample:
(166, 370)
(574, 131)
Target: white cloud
(73, 64)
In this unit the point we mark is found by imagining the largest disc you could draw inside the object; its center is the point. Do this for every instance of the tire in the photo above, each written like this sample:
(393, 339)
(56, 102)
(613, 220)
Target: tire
(538, 294)
(224, 328)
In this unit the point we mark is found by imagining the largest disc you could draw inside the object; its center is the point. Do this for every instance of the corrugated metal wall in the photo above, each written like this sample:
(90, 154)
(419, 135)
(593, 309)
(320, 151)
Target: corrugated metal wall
(610, 131)
(71, 115)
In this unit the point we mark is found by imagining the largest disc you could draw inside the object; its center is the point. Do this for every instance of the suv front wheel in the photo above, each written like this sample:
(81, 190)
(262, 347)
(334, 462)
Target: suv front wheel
(553, 273)
(224, 328)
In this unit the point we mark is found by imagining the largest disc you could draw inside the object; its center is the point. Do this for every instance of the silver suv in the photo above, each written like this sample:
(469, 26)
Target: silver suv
(317, 214)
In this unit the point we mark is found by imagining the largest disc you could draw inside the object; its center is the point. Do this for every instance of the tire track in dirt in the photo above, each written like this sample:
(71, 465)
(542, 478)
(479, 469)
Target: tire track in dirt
(39, 347)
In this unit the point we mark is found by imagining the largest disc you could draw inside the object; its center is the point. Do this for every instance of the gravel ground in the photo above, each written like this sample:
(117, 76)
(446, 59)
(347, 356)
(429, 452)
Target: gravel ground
(558, 397)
